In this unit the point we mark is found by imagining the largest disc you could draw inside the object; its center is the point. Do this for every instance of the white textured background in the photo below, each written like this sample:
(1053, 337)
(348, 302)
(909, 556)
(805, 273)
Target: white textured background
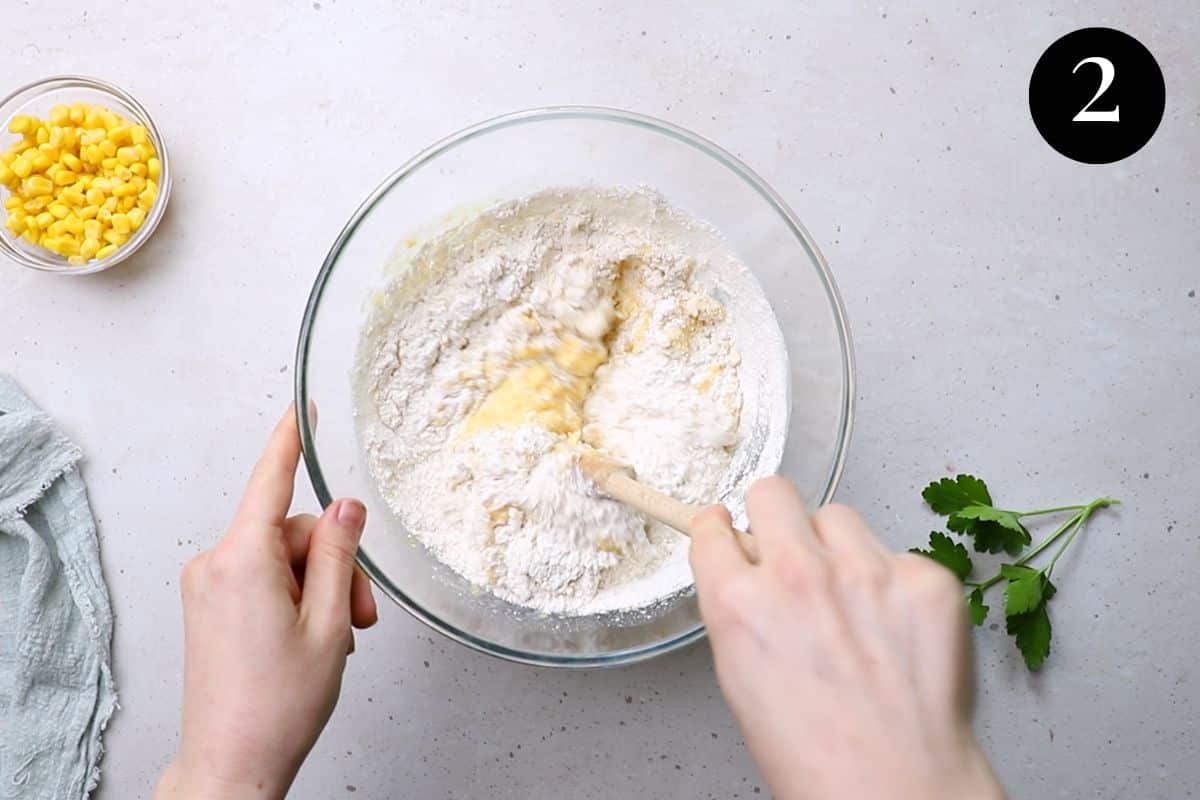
(1015, 314)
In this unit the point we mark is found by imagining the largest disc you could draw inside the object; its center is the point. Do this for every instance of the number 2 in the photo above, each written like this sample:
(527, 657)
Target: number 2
(1107, 73)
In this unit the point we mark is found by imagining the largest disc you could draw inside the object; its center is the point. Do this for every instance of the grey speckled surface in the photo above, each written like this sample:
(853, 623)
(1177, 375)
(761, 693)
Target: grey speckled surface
(1015, 314)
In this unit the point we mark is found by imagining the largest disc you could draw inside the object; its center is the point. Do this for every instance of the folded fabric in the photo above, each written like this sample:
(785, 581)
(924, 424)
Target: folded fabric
(56, 685)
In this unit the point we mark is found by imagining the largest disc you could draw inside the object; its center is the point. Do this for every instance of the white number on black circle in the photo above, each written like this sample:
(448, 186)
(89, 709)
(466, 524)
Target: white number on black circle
(1107, 73)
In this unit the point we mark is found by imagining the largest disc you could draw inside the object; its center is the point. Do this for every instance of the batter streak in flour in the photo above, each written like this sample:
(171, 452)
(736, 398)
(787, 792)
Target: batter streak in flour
(512, 342)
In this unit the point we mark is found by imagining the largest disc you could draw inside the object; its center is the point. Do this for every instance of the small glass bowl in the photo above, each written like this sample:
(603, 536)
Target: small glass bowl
(35, 99)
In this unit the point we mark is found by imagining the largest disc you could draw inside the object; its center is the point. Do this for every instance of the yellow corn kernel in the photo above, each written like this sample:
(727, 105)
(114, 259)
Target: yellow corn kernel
(76, 260)
(82, 180)
(36, 185)
(21, 124)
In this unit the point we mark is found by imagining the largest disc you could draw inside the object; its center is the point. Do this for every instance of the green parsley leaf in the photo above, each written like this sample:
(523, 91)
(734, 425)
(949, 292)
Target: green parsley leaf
(1032, 634)
(947, 552)
(952, 494)
(976, 512)
(990, 536)
(1025, 590)
(976, 610)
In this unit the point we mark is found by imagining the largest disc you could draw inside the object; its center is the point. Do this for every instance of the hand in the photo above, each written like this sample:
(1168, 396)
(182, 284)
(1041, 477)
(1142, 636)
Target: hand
(267, 627)
(847, 668)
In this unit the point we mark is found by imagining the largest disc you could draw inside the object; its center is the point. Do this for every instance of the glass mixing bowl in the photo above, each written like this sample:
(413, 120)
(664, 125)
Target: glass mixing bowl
(508, 157)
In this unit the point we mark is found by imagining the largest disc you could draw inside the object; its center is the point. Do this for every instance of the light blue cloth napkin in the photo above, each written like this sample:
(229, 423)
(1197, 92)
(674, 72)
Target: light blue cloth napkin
(56, 685)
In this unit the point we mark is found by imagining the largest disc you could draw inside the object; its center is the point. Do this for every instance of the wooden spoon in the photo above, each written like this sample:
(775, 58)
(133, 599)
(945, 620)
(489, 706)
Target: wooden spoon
(617, 480)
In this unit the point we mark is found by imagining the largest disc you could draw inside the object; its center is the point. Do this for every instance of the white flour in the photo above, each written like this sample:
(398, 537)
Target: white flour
(515, 340)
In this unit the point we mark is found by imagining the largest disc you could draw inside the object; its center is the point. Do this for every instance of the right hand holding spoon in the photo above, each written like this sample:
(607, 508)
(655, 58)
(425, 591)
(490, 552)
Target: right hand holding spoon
(847, 667)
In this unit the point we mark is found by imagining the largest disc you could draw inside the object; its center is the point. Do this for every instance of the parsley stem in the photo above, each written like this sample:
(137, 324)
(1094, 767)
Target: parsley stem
(1083, 517)
(1049, 510)
(1073, 525)
(1042, 545)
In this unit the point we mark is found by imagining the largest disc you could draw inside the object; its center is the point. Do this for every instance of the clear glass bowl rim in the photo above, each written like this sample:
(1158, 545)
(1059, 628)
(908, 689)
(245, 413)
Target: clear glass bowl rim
(430, 153)
(143, 233)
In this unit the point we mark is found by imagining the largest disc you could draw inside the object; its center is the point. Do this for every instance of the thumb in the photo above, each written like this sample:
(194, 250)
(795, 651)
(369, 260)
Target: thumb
(329, 566)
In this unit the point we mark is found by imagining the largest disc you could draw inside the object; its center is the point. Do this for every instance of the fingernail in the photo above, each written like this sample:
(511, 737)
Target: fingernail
(351, 513)
(312, 413)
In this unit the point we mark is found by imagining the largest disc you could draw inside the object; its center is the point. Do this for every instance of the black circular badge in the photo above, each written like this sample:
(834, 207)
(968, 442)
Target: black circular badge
(1097, 95)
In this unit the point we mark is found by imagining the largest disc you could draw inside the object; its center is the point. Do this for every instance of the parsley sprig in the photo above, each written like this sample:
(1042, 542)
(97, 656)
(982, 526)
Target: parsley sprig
(967, 505)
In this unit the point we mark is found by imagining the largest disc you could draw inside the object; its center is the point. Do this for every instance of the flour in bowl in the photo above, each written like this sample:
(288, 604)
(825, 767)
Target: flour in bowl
(510, 343)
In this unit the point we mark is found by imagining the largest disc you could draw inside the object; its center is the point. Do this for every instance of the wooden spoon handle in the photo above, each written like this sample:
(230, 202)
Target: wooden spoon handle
(615, 480)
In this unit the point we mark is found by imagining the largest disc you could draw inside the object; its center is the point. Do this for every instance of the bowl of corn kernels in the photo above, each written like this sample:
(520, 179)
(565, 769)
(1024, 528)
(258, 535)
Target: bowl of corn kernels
(84, 178)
